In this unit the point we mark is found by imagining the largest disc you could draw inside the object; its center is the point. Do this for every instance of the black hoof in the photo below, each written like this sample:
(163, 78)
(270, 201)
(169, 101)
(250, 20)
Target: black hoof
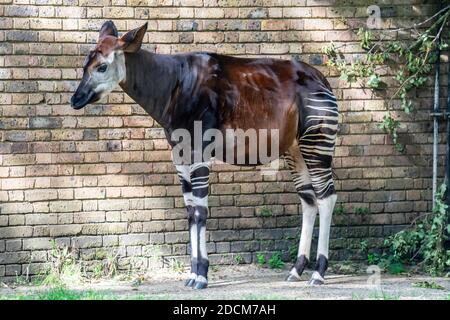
(189, 283)
(292, 278)
(200, 285)
(315, 282)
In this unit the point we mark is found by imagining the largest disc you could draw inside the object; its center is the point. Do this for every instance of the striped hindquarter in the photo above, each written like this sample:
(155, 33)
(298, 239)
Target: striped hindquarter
(309, 160)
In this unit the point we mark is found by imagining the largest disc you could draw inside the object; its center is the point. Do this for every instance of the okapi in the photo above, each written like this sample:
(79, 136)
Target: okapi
(227, 92)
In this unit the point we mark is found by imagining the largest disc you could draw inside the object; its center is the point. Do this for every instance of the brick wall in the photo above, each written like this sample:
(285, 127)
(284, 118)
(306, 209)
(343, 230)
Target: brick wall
(101, 179)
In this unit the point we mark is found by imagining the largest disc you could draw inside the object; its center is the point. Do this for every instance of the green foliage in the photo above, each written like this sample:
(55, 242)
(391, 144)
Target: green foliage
(260, 259)
(97, 271)
(390, 126)
(383, 296)
(374, 82)
(339, 210)
(265, 212)
(428, 285)
(423, 242)
(413, 62)
(275, 261)
(365, 37)
(239, 259)
(293, 252)
(364, 246)
(371, 258)
(361, 210)
(64, 267)
(396, 268)
(63, 293)
(177, 265)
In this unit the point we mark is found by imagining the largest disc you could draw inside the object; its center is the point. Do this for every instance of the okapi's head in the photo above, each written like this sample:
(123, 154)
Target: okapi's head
(104, 66)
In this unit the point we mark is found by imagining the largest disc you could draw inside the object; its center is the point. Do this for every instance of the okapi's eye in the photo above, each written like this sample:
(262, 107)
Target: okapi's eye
(102, 67)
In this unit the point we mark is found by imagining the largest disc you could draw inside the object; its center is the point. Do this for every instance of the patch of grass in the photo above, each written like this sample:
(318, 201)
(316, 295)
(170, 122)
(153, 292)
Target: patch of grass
(293, 252)
(111, 265)
(275, 261)
(396, 268)
(63, 293)
(427, 285)
(345, 267)
(21, 281)
(214, 268)
(383, 296)
(376, 296)
(356, 296)
(260, 259)
(97, 272)
(239, 259)
(177, 266)
(64, 267)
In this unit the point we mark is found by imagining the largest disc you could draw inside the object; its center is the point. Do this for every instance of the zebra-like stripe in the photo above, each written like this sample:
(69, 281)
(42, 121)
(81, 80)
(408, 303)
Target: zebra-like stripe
(318, 141)
(323, 100)
(329, 94)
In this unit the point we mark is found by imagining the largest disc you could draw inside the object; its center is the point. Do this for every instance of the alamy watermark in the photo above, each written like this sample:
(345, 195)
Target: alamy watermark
(233, 146)
(374, 19)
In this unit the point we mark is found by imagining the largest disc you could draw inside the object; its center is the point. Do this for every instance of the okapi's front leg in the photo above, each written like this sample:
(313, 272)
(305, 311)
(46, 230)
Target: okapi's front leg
(195, 183)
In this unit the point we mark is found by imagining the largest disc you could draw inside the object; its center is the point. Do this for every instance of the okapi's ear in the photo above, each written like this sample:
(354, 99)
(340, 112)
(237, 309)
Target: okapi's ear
(108, 29)
(132, 40)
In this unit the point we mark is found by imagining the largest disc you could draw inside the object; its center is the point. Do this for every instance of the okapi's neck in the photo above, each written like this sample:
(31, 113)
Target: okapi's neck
(150, 81)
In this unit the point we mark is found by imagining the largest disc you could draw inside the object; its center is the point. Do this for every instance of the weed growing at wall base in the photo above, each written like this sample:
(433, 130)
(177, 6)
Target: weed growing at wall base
(422, 244)
(275, 261)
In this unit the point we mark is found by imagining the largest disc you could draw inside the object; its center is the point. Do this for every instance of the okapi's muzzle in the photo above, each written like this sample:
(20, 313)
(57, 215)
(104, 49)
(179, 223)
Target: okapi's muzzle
(83, 96)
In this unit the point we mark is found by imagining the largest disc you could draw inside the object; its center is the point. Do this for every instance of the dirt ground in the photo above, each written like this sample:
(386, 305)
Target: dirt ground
(252, 282)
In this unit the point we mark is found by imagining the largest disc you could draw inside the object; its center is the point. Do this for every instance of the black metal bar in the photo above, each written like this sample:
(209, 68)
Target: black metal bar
(447, 169)
(435, 121)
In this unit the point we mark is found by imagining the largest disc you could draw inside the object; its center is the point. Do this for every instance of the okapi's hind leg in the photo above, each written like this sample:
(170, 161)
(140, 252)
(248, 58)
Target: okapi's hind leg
(323, 185)
(317, 147)
(303, 185)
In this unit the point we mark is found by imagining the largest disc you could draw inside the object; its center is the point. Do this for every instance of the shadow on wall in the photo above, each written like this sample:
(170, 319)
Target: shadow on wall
(382, 19)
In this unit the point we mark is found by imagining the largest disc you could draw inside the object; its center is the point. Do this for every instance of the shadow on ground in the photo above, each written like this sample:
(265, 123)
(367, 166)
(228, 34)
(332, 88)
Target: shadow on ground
(244, 282)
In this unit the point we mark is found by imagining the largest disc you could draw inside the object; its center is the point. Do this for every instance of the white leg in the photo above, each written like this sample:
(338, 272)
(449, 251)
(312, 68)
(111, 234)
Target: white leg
(199, 174)
(185, 179)
(309, 213)
(326, 207)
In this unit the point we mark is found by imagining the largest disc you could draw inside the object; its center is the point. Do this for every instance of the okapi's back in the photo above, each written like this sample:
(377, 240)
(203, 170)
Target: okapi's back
(266, 93)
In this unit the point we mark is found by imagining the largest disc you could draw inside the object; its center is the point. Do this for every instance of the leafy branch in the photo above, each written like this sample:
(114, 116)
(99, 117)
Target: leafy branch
(415, 61)
(422, 242)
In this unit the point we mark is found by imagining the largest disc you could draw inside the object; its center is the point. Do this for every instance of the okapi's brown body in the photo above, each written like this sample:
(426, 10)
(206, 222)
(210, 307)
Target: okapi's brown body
(222, 92)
